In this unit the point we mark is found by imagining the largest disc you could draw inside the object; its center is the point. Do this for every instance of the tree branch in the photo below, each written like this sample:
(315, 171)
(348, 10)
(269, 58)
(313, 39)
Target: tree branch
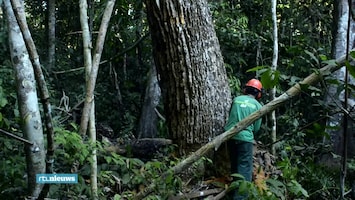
(16, 137)
(272, 105)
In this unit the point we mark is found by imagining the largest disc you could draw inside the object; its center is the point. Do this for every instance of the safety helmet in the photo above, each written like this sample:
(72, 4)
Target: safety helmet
(255, 83)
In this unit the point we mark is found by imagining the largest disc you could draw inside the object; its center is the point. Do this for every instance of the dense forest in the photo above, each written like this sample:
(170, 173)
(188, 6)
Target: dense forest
(132, 97)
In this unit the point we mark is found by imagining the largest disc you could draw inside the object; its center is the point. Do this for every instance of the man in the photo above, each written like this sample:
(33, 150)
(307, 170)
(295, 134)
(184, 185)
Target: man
(241, 144)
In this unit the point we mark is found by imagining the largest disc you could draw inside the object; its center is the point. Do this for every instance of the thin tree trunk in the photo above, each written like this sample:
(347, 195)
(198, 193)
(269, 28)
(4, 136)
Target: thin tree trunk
(334, 98)
(95, 60)
(44, 94)
(42, 85)
(51, 34)
(51, 66)
(31, 48)
(87, 46)
(88, 67)
(274, 67)
(93, 168)
(92, 66)
(344, 39)
(28, 103)
(218, 140)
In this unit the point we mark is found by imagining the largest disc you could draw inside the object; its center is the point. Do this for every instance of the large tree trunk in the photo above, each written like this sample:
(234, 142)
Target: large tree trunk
(192, 75)
(28, 103)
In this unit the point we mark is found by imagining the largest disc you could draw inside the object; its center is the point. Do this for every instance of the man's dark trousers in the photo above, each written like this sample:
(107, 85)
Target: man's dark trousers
(241, 157)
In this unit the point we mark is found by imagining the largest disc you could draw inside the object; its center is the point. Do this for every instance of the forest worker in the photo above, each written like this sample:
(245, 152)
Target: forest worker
(241, 144)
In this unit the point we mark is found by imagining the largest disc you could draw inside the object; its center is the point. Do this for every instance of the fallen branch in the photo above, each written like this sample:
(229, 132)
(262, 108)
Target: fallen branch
(272, 105)
(220, 195)
(196, 194)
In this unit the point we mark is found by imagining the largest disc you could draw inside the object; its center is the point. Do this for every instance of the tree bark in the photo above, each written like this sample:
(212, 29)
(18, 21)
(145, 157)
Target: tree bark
(51, 34)
(335, 98)
(193, 79)
(342, 142)
(87, 46)
(274, 68)
(95, 62)
(28, 103)
(92, 66)
(277, 102)
(51, 64)
(147, 127)
(44, 94)
(89, 115)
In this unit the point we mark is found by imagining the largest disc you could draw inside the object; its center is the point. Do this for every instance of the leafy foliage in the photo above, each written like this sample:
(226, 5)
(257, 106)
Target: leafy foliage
(119, 176)
(244, 32)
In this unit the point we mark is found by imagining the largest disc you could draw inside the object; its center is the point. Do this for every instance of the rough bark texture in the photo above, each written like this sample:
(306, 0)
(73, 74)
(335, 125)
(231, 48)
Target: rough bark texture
(192, 75)
(51, 34)
(28, 103)
(334, 97)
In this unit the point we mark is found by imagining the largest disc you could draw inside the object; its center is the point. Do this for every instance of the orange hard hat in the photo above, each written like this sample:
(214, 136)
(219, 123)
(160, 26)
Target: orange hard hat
(255, 83)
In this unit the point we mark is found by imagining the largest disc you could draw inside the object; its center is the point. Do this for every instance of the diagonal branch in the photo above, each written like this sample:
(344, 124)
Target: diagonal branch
(272, 105)
(16, 137)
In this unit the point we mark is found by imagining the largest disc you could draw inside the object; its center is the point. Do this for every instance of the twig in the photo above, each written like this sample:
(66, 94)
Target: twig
(16, 137)
(159, 115)
(68, 71)
(125, 50)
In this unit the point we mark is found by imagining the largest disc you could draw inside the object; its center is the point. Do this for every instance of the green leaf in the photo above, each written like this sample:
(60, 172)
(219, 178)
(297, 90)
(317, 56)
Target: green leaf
(270, 78)
(8, 144)
(117, 197)
(352, 54)
(312, 56)
(108, 159)
(243, 187)
(323, 57)
(330, 62)
(277, 188)
(126, 179)
(297, 188)
(3, 100)
(351, 69)
(254, 69)
(238, 176)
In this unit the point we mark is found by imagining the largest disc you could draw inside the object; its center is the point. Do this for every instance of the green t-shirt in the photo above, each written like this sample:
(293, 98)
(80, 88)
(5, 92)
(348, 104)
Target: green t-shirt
(243, 106)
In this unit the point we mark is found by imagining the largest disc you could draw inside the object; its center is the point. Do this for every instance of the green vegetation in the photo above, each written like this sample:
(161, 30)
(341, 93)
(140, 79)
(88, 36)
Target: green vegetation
(245, 35)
